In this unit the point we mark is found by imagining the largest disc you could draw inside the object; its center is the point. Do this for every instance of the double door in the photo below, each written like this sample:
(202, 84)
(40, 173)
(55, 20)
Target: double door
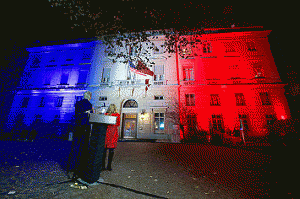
(129, 125)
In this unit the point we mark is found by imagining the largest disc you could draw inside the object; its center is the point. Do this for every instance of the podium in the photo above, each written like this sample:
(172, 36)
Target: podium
(91, 164)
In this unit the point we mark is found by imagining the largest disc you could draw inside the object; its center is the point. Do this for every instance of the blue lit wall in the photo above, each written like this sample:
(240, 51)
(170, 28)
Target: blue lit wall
(54, 77)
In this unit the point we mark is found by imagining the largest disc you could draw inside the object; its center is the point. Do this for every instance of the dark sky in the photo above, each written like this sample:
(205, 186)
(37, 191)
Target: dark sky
(28, 21)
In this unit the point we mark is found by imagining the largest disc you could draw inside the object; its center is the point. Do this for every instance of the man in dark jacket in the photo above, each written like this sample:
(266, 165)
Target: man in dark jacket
(81, 134)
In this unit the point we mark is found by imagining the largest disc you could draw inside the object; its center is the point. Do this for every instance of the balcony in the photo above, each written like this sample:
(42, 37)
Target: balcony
(128, 82)
(160, 82)
(189, 83)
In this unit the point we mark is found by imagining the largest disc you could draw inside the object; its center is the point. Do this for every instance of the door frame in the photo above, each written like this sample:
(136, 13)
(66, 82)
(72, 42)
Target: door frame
(123, 124)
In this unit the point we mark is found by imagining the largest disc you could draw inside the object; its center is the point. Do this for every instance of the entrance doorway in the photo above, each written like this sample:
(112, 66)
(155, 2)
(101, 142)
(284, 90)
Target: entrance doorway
(129, 129)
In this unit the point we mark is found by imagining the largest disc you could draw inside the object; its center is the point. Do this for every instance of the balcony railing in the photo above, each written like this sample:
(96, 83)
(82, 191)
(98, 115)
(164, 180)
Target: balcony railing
(128, 82)
(161, 82)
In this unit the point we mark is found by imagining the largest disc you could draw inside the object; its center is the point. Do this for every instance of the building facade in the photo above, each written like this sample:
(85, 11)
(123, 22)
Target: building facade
(229, 77)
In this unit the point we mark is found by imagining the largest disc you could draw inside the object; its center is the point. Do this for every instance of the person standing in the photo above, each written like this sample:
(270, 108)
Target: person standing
(111, 138)
(82, 132)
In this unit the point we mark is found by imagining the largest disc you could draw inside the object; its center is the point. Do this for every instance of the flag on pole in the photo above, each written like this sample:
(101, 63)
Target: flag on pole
(140, 68)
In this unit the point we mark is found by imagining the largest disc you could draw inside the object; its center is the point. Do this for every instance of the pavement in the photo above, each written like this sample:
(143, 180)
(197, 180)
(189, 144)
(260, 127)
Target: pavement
(140, 170)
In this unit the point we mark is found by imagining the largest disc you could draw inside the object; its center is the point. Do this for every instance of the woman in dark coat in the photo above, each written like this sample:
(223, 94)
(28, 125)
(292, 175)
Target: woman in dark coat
(111, 138)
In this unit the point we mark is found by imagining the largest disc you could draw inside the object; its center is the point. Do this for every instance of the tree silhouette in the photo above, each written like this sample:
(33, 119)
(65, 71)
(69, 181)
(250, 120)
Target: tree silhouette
(117, 25)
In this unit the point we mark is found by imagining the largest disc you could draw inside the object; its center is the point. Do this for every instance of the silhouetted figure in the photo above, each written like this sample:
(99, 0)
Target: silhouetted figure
(111, 138)
(81, 134)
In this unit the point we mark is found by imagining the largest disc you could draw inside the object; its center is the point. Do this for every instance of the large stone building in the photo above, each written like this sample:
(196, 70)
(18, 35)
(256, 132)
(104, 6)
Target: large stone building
(230, 77)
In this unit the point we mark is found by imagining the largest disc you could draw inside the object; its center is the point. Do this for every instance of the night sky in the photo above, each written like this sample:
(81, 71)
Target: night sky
(30, 22)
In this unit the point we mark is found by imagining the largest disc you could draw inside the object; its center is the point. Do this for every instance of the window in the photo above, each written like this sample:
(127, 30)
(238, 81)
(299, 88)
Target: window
(132, 50)
(36, 62)
(158, 97)
(158, 49)
(82, 77)
(102, 98)
(215, 100)
(159, 72)
(130, 104)
(270, 119)
(206, 47)
(229, 47)
(217, 121)
(59, 101)
(105, 75)
(25, 101)
(109, 51)
(38, 119)
(192, 122)
(42, 102)
(186, 50)
(244, 119)
(67, 64)
(86, 55)
(188, 74)
(190, 99)
(64, 79)
(258, 72)
(251, 46)
(48, 77)
(159, 121)
(77, 99)
(240, 99)
(265, 98)
(51, 65)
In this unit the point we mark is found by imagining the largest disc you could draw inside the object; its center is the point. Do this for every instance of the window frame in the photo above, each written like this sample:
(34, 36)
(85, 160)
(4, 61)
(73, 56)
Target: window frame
(103, 98)
(25, 102)
(132, 104)
(217, 99)
(244, 118)
(158, 97)
(42, 102)
(59, 101)
(161, 115)
(240, 99)
(271, 118)
(190, 99)
(217, 121)
(191, 73)
(159, 77)
(78, 98)
(206, 47)
(265, 99)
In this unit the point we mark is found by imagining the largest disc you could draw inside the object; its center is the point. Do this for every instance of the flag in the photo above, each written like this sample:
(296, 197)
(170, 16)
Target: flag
(140, 68)
(147, 86)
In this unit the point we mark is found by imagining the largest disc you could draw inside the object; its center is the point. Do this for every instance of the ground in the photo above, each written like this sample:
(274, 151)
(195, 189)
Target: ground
(140, 170)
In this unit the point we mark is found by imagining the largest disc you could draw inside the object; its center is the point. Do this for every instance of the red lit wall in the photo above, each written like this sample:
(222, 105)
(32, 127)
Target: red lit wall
(239, 62)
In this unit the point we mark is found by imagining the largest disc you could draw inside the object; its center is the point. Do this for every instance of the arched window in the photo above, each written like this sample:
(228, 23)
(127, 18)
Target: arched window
(130, 104)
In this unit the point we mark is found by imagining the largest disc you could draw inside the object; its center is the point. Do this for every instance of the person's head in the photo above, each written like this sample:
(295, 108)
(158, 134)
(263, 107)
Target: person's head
(112, 109)
(88, 95)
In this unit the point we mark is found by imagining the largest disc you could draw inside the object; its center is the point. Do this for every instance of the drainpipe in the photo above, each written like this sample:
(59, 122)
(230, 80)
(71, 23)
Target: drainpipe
(178, 82)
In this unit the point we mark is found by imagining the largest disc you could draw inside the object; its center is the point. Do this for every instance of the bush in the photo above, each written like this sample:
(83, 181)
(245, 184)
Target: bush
(284, 132)
(195, 135)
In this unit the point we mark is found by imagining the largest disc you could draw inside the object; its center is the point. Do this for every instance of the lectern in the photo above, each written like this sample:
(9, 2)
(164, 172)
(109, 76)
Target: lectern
(91, 165)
